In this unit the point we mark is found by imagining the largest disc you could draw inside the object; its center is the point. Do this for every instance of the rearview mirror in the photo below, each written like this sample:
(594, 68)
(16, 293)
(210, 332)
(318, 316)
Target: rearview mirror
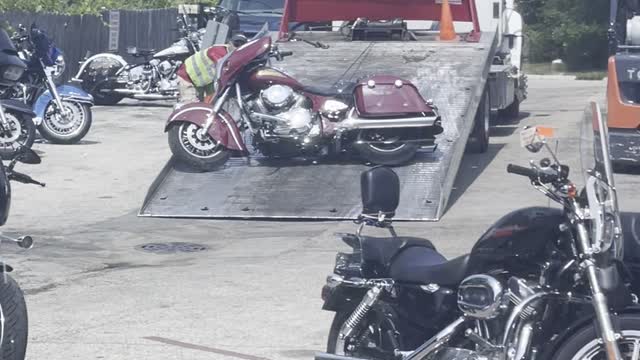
(380, 191)
(534, 138)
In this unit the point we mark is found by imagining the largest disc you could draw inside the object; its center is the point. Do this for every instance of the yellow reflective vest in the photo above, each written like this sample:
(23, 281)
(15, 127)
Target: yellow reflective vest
(201, 69)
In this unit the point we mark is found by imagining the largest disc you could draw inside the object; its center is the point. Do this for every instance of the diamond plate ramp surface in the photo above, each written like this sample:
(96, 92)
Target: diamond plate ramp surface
(452, 74)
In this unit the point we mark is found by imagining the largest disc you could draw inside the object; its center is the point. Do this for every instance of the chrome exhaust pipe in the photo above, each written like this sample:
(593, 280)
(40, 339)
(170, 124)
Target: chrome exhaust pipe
(154, 97)
(353, 122)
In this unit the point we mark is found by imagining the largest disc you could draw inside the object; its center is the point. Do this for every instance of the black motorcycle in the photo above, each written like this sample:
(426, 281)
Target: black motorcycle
(13, 310)
(541, 283)
(16, 125)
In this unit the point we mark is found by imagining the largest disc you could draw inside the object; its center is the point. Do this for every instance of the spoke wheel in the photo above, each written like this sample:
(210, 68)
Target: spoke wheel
(197, 144)
(199, 151)
(66, 122)
(629, 348)
(20, 132)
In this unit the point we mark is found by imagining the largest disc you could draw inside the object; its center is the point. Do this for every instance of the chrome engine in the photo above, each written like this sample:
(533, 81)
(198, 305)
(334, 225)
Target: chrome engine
(289, 112)
(512, 305)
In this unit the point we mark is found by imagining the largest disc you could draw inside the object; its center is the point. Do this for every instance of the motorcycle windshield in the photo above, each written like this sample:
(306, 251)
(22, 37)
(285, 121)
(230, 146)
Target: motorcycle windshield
(604, 214)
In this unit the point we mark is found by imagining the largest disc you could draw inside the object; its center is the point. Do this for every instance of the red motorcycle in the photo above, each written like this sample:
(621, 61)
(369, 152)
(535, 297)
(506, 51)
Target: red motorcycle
(383, 118)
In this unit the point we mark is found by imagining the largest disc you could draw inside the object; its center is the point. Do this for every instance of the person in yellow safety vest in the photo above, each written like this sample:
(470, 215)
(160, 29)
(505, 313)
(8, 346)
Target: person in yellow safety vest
(196, 76)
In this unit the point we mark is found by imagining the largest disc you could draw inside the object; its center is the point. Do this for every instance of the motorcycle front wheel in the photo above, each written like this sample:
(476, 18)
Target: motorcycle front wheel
(14, 311)
(585, 344)
(21, 132)
(59, 129)
(203, 154)
(385, 146)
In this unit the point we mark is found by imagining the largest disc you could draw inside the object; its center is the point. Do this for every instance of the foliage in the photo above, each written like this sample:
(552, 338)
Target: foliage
(573, 30)
(88, 6)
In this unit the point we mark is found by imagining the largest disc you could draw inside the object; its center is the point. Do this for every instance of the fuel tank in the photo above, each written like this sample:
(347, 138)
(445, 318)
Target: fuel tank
(264, 77)
(520, 236)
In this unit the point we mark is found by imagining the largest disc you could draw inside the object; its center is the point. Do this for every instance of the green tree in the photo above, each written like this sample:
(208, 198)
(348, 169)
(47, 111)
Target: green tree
(88, 6)
(573, 30)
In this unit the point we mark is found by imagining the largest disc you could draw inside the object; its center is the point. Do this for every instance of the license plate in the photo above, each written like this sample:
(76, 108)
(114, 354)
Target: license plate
(348, 264)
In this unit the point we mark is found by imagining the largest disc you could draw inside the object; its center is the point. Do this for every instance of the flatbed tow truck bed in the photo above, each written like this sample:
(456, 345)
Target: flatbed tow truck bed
(452, 74)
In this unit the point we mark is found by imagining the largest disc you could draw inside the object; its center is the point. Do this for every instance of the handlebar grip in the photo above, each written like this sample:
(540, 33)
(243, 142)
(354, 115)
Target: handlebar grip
(286, 53)
(521, 170)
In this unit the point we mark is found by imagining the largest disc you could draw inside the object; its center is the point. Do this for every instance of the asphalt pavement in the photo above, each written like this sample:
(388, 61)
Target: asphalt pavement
(250, 289)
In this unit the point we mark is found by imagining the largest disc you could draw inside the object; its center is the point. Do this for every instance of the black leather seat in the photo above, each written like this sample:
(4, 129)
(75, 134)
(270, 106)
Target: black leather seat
(143, 52)
(339, 91)
(420, 265)
(382, 250)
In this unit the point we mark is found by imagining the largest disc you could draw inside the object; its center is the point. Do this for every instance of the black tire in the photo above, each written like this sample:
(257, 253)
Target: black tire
(59, 133)
(394, 154)
(479, 138)
(18, 122)
(511, 112)
(180, 133)
(587, 338)
(339, 347)
(14, 309)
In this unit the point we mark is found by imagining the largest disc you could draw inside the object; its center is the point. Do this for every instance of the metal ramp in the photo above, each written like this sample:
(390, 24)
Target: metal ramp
(452, 74)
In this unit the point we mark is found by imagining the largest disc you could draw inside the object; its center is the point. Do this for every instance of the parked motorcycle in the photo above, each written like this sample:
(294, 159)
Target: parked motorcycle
(16, 125)
(384, 118)
(13, 310)
(109, 78)
(541, 283)
(63, 113)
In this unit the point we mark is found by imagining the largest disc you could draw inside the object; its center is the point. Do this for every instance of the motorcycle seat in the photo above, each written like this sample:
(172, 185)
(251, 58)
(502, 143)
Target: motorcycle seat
(381, 250)
(421, 265)
(143, 52)
(331, 91)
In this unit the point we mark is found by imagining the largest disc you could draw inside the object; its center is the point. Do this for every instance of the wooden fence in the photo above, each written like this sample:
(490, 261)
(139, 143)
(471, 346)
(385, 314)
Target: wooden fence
(79, 35)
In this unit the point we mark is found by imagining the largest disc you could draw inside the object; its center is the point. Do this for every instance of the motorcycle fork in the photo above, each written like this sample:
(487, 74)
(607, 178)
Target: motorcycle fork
(599, 301)
(216, 108)
(4, 123)
(54, 92)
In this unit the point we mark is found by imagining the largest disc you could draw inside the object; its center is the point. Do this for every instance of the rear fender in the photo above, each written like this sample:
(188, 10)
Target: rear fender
(341, 297)
(98, 57)
(17, 106)
(224, 128)
(66, 92)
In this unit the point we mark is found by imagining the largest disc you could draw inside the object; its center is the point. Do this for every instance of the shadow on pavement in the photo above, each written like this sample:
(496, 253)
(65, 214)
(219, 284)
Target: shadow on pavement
(471, 167)
(506, 127)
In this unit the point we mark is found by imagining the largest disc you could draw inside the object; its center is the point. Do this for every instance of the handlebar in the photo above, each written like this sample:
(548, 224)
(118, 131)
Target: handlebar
(533, 174)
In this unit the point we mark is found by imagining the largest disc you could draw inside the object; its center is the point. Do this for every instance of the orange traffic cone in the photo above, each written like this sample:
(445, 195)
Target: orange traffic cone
(447, 32)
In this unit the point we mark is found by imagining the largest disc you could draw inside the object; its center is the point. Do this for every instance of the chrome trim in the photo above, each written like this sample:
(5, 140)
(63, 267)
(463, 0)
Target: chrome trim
(353, 121)
(483, 282)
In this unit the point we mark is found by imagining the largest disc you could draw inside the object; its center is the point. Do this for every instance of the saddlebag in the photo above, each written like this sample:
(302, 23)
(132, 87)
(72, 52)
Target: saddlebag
(389, 96)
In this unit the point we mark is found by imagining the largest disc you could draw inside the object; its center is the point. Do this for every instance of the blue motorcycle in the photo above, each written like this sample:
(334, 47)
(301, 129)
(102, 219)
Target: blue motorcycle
(62, 112)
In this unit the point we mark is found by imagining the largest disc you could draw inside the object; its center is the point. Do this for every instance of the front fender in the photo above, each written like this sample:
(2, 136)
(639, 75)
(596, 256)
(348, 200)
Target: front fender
(66, 92)
(18, 106)
(223, 130)
(585, 321)
(99, 57)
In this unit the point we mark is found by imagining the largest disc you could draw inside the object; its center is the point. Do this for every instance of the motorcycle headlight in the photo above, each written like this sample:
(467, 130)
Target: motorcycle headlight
(59, 67)
(12, 73)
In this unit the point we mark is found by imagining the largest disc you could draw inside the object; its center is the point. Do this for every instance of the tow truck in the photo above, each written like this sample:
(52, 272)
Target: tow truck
(623, 83)
(465, 78)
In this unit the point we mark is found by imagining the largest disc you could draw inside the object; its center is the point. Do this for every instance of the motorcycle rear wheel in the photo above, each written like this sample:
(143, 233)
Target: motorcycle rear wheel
(23, 133)
(201, 155)
(391, 151)
(58, 130)
(14, 310)
(350, 347)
